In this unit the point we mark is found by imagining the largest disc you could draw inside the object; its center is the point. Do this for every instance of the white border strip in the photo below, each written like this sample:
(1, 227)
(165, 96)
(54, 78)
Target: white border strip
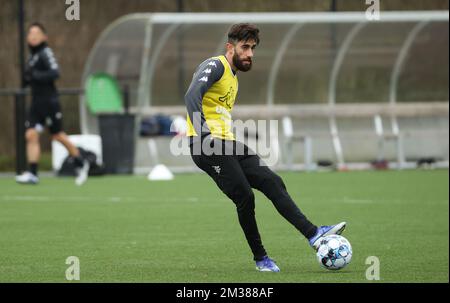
(310, 17)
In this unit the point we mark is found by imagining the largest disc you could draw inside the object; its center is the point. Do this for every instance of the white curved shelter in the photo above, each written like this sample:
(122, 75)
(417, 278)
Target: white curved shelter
(343, 81)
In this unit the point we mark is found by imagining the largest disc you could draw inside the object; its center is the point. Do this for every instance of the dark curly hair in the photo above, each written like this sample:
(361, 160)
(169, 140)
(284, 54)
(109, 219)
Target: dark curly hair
(243, 32)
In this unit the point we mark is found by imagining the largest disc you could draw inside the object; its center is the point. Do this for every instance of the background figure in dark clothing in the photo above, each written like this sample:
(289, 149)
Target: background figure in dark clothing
(41, 71)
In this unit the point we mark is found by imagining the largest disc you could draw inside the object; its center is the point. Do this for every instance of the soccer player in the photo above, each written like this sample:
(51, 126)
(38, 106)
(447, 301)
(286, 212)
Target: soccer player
(234, 167)
(40, 73)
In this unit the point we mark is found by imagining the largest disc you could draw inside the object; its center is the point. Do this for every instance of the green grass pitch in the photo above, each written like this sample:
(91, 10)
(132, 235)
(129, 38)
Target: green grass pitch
(128, 229)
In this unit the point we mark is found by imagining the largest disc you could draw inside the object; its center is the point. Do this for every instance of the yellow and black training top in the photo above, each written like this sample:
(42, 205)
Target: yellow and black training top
(210, 99)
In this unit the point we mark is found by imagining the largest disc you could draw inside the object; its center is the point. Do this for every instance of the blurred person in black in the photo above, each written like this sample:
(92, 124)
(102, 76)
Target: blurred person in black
(40, 74)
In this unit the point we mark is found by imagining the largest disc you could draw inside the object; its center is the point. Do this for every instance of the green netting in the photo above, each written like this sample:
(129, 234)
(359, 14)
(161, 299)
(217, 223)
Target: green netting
(103, 94)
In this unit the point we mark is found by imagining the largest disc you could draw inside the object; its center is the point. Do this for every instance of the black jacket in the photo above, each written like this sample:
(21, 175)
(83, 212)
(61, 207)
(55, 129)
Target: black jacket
(41, 71)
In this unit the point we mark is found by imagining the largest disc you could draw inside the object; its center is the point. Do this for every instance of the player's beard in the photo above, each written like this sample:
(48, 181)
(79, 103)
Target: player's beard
(240, 63)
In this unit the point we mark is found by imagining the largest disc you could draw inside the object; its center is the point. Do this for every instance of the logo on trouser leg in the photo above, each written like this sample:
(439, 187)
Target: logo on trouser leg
(216, 168)
(48, 121)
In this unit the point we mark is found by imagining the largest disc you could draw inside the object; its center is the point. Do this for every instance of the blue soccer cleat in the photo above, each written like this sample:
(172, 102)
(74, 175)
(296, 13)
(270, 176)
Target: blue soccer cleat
(326, 230)
(267, 264)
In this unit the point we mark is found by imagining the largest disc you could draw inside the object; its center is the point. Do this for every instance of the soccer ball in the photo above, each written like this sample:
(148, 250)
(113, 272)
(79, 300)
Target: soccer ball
(334, 252)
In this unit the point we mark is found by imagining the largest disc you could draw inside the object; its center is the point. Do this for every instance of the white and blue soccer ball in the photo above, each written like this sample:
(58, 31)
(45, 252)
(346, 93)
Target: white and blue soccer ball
(334, 252)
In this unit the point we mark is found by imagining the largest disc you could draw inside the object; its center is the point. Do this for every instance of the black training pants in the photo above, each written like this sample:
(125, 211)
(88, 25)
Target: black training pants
(236, 175)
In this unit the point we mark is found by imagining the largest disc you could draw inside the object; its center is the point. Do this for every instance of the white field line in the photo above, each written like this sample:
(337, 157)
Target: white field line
(102, 199)
(356, 201)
